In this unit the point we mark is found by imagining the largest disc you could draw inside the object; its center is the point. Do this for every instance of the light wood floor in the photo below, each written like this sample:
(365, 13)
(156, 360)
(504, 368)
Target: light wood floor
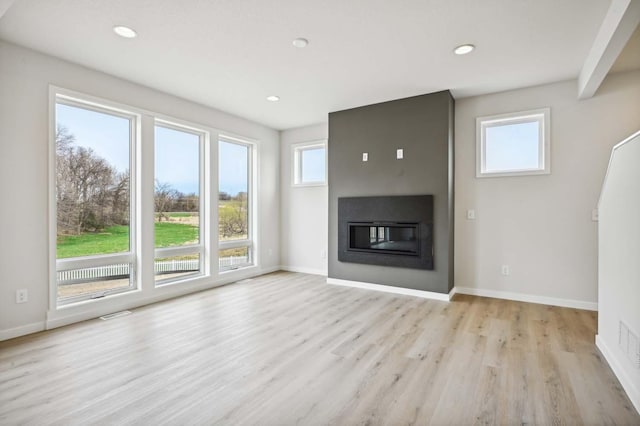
(287, 348)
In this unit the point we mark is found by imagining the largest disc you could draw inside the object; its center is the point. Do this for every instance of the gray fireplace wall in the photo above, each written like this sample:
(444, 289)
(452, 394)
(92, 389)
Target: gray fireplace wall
(423, 127)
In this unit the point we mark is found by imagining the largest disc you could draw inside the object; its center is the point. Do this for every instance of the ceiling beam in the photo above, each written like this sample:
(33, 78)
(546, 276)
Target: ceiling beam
(619, 24)
(4, 6)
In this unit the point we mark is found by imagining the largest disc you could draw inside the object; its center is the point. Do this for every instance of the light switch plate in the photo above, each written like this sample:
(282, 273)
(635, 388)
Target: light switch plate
(365, 156)
(400, 154)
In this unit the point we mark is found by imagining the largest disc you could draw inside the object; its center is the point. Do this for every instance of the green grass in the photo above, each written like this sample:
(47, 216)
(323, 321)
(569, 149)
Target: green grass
(172, 234)
(115, 239)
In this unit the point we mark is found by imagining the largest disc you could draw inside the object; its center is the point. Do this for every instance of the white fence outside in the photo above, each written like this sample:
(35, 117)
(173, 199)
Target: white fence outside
(122, 270)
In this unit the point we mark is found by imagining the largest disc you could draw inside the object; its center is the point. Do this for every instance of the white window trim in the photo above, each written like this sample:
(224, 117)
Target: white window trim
(250, 241)
(542, 116)
(146, 290)
(73, 99)
(204, 220)
(296, 169)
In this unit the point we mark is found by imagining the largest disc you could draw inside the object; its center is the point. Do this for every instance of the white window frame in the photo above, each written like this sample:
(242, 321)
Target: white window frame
(142, 250)
(296, 162)
(541, 116)
(250, 242)
(63, 97)
(199, 248)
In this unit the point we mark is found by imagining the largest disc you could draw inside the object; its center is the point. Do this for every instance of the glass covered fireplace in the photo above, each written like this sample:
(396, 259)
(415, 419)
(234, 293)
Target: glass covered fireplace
(386, 231)
(390, 238)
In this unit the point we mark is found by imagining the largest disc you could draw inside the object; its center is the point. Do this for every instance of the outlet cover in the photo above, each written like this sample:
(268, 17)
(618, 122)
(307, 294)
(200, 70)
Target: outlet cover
(22, 295)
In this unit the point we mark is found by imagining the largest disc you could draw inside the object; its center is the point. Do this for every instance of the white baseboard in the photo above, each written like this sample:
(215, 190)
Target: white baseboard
(627, 384)
(390, 289)
(304, 270)
(22, 330)
(270, 269)
(530, 298)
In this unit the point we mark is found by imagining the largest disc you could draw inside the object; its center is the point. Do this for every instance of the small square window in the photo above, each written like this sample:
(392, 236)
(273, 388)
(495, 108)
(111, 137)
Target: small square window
(309, 164)
(513, 144)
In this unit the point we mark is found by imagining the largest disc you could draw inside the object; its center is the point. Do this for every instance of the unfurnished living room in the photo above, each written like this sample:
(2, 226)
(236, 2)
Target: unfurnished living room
(340, 212)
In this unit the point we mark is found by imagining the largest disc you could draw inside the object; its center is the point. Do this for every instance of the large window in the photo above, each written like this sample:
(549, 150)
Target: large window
(133, 203)
(94, 194)
(309, 164)
(178, 202)
(234, 204)
(513, 144)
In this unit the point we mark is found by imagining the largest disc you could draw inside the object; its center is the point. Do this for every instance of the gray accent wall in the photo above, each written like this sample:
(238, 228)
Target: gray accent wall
(423, 127)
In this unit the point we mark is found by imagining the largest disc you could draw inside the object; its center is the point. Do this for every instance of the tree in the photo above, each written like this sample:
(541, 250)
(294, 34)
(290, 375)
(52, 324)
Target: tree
(233, 217)
(90, 194)
(164, 198)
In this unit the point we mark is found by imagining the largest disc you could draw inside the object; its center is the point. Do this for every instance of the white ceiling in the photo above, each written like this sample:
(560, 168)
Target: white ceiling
(232, 54)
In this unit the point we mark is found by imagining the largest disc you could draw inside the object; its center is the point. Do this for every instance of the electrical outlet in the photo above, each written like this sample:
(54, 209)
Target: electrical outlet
(323, 254)
(505, 270)
(270, 252)
(22, 295)
(471, 214)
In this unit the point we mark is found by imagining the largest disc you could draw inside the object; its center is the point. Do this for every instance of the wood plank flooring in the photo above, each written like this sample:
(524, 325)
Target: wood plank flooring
(287, 348)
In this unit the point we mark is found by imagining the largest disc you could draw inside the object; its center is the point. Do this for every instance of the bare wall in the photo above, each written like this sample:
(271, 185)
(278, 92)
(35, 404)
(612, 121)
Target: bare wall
(304, 209)
(541, 225)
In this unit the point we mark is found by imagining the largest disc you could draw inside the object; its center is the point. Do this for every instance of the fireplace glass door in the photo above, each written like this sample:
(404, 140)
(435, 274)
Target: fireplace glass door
(384, 237)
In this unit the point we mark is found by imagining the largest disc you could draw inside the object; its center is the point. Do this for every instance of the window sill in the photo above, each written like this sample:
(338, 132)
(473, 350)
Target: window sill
(310, 184)
(513, 173)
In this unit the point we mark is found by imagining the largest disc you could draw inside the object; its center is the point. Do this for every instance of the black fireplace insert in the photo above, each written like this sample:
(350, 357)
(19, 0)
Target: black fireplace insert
(386, 231)
(390, 238)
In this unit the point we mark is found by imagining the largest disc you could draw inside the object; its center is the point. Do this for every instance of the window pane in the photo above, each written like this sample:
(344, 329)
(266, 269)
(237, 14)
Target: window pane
(234, 258)
(233, 206)
(512, 147)
(168, 268)
(93, 281)
(177, 187)
(92, 182)
(312, 165)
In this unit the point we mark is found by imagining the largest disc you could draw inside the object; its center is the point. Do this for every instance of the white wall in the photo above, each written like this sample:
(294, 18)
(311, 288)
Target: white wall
(304, 210)
(540, 225)
(24, 134)
(619, 263)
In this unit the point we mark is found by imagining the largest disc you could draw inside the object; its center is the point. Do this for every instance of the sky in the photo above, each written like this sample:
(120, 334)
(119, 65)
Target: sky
(512, 147)
(313, 165)
(176, 152)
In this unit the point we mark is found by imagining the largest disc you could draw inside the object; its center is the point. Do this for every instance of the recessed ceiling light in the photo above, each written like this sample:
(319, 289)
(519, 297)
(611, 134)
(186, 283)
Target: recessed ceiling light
(273, 98)
(464, 49)
(300, 42)
(125, 32)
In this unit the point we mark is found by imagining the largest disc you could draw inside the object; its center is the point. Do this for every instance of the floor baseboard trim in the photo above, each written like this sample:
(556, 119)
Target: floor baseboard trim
(627, 384)
(520, 297)
(390, 289)
(304, 270)
(23, 330)
(270, 269)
